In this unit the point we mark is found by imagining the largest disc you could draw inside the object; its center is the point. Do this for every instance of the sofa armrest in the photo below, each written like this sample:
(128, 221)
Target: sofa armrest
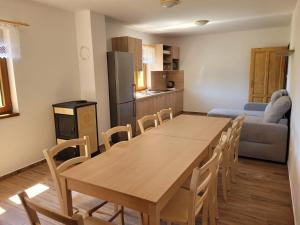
(265, 133)
(252, 106)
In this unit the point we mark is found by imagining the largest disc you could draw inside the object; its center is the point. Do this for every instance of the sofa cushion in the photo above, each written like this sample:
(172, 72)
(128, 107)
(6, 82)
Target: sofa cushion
(277, 110)
(254, 119)
(233, 113)
(268, 107)
(276, 95)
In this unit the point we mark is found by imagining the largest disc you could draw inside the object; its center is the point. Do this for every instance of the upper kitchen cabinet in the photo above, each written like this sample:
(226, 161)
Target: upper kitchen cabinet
(131, 45)
(175, 52)
(166, 58)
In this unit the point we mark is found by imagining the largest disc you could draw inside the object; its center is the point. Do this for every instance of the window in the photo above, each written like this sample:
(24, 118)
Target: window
(141, 79)
(5, 97)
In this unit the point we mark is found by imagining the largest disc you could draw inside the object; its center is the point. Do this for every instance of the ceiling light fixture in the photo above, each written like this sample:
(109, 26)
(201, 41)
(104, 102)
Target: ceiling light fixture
(177, 26)
(201, 22)
(169, 3)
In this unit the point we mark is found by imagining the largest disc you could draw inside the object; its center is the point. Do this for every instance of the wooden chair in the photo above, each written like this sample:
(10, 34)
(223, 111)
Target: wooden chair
(227, 141)
(33, 208)
(92, 204)
(146, 119)
(187, 204)
(162, 115)
(213, 209)
(106, 136)
(238, 125)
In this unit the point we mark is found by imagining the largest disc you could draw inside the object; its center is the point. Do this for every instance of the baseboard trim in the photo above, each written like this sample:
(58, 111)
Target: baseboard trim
(101, 149)
(22, 169)
(195, 113)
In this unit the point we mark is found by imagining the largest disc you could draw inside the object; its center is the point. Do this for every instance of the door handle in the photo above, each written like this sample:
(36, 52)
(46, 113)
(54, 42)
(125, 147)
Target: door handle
(133, 91)
(134, 108)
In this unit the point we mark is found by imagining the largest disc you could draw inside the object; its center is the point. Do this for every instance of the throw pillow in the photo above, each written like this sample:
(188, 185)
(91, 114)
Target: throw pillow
(277, 110)
(276, 95)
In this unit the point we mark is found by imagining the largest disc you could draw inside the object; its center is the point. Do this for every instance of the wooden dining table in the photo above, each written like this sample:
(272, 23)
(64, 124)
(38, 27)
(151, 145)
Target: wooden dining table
(144, 173)
(195, 127)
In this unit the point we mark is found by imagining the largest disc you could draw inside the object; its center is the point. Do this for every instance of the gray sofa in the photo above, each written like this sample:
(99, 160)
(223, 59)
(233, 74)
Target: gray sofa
(265, 131)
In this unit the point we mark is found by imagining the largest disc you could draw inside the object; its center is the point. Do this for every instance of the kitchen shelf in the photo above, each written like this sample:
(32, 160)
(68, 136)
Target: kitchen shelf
(166, 57)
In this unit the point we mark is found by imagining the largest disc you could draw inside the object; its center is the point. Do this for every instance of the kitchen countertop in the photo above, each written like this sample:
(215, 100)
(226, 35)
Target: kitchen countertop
(149, 94)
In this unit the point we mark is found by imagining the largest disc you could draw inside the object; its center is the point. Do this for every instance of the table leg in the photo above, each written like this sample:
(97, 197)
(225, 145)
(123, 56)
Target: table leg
(154, 217)
(66, 196)
(144, 219)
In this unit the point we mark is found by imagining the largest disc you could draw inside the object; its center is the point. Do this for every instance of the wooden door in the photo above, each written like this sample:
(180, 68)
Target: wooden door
(266, 73)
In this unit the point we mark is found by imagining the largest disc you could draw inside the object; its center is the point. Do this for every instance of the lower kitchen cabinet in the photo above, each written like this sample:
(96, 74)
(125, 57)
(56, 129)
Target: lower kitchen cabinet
(152, 104)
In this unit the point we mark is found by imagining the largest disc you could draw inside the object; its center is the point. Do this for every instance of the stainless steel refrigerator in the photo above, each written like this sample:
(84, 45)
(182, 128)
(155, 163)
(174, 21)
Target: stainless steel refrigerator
(121, 91)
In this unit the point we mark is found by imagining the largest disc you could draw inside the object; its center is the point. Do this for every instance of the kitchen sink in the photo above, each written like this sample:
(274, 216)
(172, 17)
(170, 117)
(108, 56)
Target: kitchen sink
(149, 93)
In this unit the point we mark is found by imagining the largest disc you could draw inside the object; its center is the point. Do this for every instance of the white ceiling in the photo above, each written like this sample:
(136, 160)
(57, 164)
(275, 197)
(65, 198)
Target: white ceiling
(225, 15)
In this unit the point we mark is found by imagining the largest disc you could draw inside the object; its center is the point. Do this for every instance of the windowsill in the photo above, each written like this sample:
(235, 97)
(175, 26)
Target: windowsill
(8, 115)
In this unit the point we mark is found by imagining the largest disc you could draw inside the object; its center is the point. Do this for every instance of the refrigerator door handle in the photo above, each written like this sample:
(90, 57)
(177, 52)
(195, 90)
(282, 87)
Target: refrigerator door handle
(134, 109)
(133, 91)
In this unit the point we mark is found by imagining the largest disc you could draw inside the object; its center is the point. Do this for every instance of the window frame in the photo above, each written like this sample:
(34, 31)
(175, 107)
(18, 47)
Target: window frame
(6, 94)
(144, 87)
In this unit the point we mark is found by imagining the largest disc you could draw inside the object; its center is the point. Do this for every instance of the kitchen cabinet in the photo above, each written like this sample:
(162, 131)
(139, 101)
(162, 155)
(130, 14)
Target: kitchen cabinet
(166, 58)
(152, 104)
(131, 45)
(175, 52)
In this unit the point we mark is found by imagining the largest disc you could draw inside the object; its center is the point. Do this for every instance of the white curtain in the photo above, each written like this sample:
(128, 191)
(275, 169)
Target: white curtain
(148, 55)
(9, 42)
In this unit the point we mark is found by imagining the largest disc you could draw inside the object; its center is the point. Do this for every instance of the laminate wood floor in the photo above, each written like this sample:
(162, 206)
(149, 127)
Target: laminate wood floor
(261, 196)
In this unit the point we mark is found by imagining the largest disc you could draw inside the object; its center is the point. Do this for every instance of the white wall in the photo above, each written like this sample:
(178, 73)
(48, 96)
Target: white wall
(115, 28)
(216, 66)
(101, 77)
(91, 36)
(85, 50)
(47, 73)
(294, 91)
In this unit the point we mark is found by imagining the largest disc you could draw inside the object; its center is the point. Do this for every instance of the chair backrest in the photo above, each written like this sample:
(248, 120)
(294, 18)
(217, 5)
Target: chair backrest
(237, 126)
(56, 170)
(106, 136)
(163, 113)
(201, 183)
(32, 209)
(146, 119)
(239, 122)
(227, 139)
(223, 144)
